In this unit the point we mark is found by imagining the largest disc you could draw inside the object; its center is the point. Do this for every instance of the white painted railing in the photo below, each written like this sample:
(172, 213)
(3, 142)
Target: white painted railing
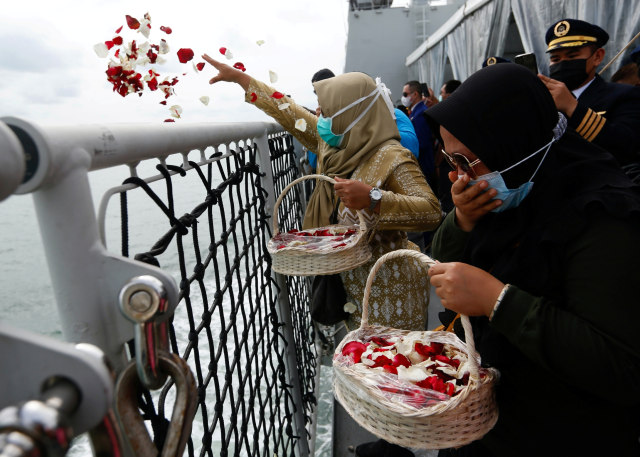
(52, 163)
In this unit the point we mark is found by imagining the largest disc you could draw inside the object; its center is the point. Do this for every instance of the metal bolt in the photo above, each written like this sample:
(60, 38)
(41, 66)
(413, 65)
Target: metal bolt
(142, 298)
(141, 301)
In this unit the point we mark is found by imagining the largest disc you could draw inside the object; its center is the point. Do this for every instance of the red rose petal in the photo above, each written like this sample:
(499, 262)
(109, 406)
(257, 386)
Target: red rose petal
(132, 22)
(354, 349)
(254, 97)
(400, 359)
(429, 350)
(390, 369)
(166, 30)
(223, 50)
(450, 389)
(163, 102)
(277, 95)
(117, 54)
(185, 55)
(119, 29)
(447, 360)
(152, 56)
(200, 66)
(109, 44)
(380, 361)
(239, 66)
(153, 84)
(380, 341)
(169, 120)
(117, 40)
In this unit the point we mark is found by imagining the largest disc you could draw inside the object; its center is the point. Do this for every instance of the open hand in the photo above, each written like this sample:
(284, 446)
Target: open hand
(227, 73)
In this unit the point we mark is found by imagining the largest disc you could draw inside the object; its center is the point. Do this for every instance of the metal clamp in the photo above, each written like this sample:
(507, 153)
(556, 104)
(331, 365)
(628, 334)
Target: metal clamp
(184, 408)
(143, 300)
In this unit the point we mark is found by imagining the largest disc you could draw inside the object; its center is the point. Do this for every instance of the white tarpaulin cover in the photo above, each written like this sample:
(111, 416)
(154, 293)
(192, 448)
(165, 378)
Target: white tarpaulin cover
(479, 29)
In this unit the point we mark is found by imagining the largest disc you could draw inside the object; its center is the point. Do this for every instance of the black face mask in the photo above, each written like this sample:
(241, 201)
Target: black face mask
(571, 72)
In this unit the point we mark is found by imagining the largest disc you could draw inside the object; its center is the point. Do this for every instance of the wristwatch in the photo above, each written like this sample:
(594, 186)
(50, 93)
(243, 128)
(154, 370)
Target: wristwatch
(375, 195)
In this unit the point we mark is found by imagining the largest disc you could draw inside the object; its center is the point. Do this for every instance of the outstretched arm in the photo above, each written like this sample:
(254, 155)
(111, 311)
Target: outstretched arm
(282, 108)
(228, 73)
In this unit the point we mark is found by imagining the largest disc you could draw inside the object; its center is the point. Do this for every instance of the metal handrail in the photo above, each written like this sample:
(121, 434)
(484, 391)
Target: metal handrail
(86, 278)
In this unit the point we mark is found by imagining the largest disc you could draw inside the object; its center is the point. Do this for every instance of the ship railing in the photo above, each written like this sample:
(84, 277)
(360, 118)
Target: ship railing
(188, 312)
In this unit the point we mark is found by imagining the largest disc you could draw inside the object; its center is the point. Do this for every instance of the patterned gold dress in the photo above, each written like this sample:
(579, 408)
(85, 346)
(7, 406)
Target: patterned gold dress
(400, 293)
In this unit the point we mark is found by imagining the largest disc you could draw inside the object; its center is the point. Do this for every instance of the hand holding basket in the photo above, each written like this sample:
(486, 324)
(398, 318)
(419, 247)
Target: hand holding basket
(301, 260)
(442, 421)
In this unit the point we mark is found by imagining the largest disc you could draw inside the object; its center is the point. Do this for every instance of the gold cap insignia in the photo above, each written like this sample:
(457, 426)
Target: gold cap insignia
(491, 60)
(561, 28)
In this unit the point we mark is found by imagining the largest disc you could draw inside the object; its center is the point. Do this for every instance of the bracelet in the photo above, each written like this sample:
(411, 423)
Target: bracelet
(498, 301)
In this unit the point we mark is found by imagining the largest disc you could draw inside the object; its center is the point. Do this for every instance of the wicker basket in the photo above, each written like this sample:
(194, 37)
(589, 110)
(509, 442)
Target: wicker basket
(454, 422)
(299, 261)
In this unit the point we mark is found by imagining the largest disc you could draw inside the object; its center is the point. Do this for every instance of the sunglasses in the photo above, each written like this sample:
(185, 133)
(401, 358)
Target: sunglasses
(456, 161)
(405, 94)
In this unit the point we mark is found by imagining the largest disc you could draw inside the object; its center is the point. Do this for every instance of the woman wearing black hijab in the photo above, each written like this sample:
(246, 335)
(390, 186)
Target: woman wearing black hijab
(549, 273)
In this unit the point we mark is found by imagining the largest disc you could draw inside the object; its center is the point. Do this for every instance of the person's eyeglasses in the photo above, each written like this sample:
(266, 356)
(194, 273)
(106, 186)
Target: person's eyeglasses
(456, 161)
(405, 94)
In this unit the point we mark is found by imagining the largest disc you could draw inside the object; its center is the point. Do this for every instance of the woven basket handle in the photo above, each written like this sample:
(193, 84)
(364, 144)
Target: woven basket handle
(427, 262)
(276, 228)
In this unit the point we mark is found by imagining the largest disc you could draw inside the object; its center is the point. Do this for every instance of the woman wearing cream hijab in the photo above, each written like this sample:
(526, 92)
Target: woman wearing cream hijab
(357, 120)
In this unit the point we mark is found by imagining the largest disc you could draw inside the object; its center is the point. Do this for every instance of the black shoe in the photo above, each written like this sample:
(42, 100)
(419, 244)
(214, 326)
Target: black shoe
(382, 448)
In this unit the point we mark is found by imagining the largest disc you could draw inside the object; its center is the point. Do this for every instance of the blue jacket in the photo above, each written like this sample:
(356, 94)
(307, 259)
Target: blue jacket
(423, 132)
(408, 137)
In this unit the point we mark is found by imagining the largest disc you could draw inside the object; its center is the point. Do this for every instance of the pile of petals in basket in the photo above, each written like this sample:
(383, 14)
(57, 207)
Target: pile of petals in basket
(409, 370)
(323, 238)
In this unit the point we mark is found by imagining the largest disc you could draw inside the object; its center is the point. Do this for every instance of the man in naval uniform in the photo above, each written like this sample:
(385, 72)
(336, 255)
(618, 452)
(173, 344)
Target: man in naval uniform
(606, 114)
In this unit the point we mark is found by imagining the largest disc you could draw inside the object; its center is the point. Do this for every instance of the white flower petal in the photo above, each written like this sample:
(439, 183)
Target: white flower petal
(448, 369)
(228, 54)
(204, 99)
(145, 26)
(412, 373)
(144, 48)
(273, 77)
(388, 354)
(164, 47)
(101, 50)
(301, 125)
(348, 307)
(283, 106)
(367, 361)
(176, 110)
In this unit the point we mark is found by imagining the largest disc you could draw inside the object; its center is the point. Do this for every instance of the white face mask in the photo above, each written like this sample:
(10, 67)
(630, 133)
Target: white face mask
(406, 101)
(324, 125)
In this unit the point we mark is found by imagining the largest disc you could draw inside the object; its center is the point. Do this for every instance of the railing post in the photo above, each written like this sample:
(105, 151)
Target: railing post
(284, 305)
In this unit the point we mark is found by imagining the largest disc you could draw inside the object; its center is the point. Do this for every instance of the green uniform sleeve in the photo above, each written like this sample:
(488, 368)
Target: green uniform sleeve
(449, 240)
(591, 337)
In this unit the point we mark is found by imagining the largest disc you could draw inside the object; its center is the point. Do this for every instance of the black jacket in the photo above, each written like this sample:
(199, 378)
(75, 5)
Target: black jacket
(608, 114)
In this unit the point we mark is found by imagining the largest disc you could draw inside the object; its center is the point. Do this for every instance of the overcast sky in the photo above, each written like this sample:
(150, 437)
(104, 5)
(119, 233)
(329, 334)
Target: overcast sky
(50, 73)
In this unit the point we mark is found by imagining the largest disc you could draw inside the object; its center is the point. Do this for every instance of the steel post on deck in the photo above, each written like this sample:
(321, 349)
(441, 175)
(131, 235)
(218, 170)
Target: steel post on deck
(305, 448)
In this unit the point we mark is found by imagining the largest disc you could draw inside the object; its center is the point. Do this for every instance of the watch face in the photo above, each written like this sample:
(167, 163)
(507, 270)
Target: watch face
(376, 194)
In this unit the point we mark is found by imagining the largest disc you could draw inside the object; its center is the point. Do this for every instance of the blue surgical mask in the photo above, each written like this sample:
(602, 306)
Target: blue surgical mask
(324, 124)
(511, 198)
